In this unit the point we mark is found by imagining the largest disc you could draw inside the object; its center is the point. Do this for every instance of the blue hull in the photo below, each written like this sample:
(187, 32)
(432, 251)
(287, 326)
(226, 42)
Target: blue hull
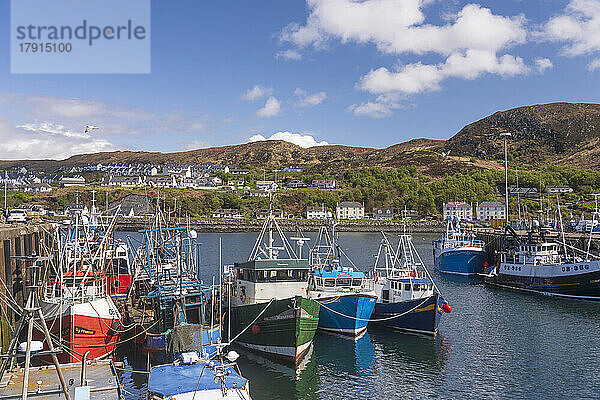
(423, 319)
(460, 262)
(346, 314)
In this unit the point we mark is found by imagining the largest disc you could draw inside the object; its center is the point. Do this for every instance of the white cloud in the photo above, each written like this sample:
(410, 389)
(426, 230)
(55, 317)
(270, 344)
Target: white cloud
(578, 27)
(303, 140)
(46, 141)
(272, 107)
(37, 126)
(289, 54)
(542, 64)
(469, 44)
(594, 65)
(417, 78)
(309, 100)
(257, 92)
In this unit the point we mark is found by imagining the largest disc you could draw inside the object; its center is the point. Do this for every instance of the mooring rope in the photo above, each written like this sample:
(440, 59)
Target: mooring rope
(376, 320)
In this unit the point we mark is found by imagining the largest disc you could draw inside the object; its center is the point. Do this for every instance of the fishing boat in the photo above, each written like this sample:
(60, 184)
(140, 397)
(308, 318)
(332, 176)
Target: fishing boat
(193, 377)
(537, 265)
(408, 298)
(76, 299)
(270, 312)
(345, 294)
(168, 263)
(458, 252)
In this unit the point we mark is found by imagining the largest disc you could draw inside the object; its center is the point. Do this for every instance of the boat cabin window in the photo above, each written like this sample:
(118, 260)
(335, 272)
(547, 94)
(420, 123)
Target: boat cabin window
(416, 287)
(407, 286)
(329, 282)
(319, 282)
(357, 282)
(344, 281)
(282, 275)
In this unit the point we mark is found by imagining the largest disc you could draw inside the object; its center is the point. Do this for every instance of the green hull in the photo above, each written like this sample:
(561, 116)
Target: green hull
(284, 331)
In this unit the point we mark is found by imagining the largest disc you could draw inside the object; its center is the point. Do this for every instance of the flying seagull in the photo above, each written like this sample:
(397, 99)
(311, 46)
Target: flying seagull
(90, 128)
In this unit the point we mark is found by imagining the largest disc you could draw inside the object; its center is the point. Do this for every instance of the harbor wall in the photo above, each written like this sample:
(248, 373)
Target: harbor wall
(17, 241)
(289, 225)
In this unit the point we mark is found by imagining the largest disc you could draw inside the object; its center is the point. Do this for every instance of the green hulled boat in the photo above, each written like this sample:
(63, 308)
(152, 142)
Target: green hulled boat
(284, 331)
(270, 310)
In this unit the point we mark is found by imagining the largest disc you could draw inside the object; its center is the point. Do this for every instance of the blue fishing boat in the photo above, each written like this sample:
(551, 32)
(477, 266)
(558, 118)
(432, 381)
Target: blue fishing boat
(457, 252)
(408, 298)
(344, 293)
(193, 377)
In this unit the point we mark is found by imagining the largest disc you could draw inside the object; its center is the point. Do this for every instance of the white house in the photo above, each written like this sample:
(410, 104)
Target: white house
(227, 213)
(350, 210)
(72, 181)
(559, 189)
(123, 181)
(313, 212)
(267, 186)
(489, 210)
(458, 210)
(323, 183)
(383, 213)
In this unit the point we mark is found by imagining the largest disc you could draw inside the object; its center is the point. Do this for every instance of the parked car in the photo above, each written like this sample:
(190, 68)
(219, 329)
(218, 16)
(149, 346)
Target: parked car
(17, 215)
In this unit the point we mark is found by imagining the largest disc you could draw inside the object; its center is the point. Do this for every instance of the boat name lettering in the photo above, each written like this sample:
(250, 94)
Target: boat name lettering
(82, 331)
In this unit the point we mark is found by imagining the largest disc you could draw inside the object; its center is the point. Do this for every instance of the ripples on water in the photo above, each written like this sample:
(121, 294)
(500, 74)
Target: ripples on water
(495, 344)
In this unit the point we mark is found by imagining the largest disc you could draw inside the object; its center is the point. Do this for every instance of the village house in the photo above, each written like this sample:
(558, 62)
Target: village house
(267, 186)
(161, 181)
(350, 210)
(458, 210)
(323, 183)
(385, 213)
(67, 181)
(263, 213)
(295, 183)
(489, 210)
(231, 213)
(317, 212)
(123, 181)
(524, 192)
(409, 214)
(559, 189)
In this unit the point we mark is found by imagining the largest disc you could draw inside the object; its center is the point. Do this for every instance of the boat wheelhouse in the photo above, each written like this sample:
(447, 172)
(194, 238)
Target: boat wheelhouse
(345, 294)
(458, 252)
(408, 298)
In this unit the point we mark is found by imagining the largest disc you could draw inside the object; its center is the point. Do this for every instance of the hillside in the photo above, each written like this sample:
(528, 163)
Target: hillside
(563, 133)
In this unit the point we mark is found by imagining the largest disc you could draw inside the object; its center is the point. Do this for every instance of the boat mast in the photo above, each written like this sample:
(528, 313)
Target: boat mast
(506, 135)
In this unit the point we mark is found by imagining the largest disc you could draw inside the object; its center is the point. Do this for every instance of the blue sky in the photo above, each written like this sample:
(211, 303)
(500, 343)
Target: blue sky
(372, 73)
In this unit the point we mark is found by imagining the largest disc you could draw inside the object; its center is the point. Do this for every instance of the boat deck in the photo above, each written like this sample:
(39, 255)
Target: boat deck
(43, 382)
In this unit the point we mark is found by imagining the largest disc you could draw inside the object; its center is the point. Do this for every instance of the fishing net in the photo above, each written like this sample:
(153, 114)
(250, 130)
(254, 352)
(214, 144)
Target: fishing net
(185, 338)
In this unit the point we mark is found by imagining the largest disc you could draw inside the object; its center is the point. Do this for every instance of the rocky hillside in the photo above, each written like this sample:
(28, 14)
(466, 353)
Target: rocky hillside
(567, 133)
(564, 133)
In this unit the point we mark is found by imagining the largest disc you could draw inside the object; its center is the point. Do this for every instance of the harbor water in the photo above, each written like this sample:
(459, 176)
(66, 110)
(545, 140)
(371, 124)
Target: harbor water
(495, 344)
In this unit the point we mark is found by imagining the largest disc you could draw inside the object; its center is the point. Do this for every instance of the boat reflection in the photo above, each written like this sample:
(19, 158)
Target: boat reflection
(272, 380)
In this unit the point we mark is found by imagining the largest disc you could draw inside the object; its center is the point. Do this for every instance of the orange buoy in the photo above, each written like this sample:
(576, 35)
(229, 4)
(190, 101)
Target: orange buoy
(447, 308)
(256, 329)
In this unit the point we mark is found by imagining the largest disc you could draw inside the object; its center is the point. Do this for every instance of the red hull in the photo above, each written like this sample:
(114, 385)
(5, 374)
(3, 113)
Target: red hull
(81, 333)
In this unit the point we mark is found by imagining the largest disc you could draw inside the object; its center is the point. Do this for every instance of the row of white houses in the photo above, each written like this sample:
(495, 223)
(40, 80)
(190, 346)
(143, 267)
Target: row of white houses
(485, 211)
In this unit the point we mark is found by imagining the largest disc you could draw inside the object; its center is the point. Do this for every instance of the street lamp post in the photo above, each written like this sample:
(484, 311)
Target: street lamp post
(506, 135)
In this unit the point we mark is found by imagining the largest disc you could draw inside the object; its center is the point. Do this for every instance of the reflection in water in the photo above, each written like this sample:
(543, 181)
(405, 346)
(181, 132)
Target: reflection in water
(272, 380)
